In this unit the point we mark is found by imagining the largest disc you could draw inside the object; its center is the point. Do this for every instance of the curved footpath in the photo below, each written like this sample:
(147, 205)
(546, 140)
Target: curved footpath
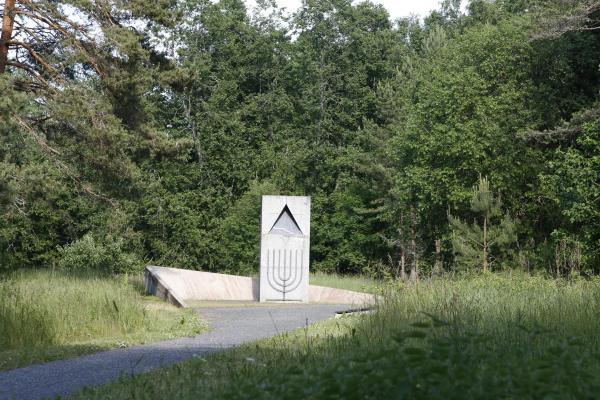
(230, 327)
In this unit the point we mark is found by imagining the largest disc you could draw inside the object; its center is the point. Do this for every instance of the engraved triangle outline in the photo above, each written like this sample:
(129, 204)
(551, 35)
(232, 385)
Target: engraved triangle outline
(286, 209)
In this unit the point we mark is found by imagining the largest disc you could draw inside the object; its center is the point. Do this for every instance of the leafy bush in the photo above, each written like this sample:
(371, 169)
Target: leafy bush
(89, 253)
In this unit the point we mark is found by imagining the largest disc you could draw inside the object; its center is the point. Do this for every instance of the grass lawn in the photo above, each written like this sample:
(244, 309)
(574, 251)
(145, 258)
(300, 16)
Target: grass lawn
(47, 315)
(484, 337)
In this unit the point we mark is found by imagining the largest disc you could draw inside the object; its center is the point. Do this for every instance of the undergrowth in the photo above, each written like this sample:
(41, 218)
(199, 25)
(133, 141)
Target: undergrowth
(484, 337)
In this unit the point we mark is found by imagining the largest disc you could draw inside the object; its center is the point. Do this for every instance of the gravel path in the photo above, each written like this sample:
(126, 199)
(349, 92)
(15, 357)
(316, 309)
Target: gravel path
(230, 327)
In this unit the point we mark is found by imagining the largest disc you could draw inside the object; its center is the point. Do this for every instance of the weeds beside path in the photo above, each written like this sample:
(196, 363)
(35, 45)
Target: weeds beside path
(484, 337)
(229, 327)
(47, 315)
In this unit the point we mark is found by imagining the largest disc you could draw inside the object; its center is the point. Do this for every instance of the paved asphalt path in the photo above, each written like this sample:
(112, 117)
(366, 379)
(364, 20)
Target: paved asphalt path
(230, 327)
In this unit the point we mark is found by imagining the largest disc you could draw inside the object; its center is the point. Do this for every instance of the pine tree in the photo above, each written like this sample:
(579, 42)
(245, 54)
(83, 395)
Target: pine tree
(475, 245)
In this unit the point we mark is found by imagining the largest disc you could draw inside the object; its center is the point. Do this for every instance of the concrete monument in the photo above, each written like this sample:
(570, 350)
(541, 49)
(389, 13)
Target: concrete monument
(284, 249)
(183, 286)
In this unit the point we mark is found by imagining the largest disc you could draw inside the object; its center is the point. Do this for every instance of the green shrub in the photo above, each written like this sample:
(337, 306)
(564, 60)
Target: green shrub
(89, 253)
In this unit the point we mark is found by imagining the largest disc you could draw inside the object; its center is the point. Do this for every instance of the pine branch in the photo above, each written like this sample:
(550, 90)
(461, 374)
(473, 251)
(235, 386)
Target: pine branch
(30, 70)
(57, 27)
(36, 56)
(38, 139)
(52, 153)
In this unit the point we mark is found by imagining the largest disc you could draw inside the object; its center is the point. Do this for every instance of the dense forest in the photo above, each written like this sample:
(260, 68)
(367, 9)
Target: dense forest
(135, 132)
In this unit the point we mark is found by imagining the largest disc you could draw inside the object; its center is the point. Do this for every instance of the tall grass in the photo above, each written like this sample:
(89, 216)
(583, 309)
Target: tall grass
(43, 308)
(357, 283)
(483, 337)
(506, 307)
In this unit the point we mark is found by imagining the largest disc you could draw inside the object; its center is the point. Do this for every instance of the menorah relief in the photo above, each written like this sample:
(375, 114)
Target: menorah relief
(284, 270)
(285, 243)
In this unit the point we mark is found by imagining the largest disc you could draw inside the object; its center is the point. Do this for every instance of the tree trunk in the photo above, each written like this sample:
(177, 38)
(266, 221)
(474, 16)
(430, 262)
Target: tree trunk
(402, 263)
(438, 256)
(322, 86)
(414, 272)
(187, 106)
(485, 244)
(557, 257)
(8, 20)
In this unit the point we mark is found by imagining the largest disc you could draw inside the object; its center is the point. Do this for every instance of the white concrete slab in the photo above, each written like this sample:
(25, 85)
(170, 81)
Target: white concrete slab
(180, 286)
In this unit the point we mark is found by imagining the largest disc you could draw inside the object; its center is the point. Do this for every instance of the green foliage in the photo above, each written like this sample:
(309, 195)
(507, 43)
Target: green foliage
(39, 211)
(106, 256)
(572, 182)
(239, 232)
(162, 137)
(483, 243)
(487, 336)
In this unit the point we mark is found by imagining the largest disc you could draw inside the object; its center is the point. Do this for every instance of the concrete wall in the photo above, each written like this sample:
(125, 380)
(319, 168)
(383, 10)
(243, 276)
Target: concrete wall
(198, 285)
(327, 295)
(179, 285)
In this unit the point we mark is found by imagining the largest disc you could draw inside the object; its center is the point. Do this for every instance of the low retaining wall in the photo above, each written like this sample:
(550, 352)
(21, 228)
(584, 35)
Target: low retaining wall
(179, 285)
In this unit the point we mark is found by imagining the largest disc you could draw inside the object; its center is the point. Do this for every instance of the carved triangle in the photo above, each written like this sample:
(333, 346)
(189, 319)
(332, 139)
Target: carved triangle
(286, 224)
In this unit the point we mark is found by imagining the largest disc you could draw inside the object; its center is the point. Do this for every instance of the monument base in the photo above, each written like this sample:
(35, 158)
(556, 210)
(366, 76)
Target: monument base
(183, 286)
